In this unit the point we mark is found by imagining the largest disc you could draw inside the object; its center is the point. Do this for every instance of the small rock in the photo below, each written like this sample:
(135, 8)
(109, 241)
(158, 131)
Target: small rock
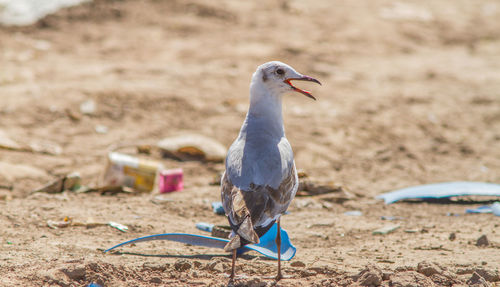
(156, 280)
(353, 213)
(452, 236)
(482, 241)
(386, 275)
(78, 273)
(298, 264)
(182, 265)
(307, 273)
(487, 274)
(369, 276)
(197, 264)
(386, 229)
(477, 281)
(101, 129)
(428, 269)
(251, 282)
(410, 279)
(154, 266)
(88, 107)
(73, 115)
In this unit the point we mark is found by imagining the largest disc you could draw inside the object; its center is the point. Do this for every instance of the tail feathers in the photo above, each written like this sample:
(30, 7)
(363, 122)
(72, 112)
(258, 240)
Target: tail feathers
(244, 235)
(235, 243)
(247, 232)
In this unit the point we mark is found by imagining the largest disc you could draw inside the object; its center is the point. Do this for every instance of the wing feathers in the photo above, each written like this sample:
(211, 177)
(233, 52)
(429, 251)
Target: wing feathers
(255, 209)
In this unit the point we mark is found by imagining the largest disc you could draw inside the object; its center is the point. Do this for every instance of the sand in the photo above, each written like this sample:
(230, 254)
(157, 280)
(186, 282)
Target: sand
(410, 95)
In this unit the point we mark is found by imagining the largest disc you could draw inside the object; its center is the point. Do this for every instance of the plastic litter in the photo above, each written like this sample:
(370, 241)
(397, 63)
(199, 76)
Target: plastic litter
(218, 208)
(353, 213)
(266, 247)
(386, 229)
(118, 226)
(480, 209)
(170, 180)
(67, 221)
(220, 231)
(126, 170)
(442, 190)
(88, 107)
(493, 208)
(203, 226)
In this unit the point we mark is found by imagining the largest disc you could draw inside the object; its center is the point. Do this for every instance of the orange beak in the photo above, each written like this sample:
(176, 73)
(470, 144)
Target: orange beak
(303, 78)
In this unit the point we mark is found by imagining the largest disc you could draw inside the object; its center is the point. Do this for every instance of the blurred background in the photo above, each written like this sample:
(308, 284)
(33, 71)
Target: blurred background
(410, 95)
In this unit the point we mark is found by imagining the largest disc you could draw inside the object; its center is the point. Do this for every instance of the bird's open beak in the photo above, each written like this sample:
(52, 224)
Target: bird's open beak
(302, 78)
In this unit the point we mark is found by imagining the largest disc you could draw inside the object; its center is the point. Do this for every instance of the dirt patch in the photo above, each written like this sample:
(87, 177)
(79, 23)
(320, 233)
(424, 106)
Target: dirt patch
(410, 96)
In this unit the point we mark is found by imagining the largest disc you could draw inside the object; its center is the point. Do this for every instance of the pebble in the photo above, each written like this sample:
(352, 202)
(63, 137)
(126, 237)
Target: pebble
(410, 279)
(156, 280)
(88, 107)
(182, 265)
(477, 281)
(386, 229)
(101, 129)
(452, 236)
(353, 213)
(77, 273)
(298, 264)
(482, 241)
(428, 269)
(488, 274)
(251, 282)
(370, 276)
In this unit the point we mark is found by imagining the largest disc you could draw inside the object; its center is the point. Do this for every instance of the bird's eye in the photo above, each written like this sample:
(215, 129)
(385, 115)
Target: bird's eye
(280, 71)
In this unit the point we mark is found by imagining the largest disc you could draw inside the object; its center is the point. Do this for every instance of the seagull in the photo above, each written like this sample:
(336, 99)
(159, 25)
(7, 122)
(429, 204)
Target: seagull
(260, 180)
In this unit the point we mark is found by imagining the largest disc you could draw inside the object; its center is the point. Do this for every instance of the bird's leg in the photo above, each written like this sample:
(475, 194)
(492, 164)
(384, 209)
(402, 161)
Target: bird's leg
(234, 263)
(278, 244)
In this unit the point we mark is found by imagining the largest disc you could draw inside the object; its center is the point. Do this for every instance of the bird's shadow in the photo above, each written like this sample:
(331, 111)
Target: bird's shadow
(194, 256)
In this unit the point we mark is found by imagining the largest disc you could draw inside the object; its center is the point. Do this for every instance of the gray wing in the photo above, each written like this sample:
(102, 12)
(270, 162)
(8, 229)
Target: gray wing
(252, 211)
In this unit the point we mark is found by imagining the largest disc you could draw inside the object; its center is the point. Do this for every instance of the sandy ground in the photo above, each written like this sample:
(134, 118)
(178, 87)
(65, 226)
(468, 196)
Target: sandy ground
(410, 95)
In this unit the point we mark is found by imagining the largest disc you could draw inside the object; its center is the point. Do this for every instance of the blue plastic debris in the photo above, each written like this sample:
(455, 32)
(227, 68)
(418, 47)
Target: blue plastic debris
(494, 208)
(218, 208)
(266, 247)
(442, 190)
(480, 209)
(203, 226)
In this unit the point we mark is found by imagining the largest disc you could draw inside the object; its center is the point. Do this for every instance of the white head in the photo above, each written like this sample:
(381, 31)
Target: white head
(275, 77)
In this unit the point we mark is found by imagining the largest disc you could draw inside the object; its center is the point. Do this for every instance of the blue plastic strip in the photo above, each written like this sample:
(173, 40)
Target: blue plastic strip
(442, 190)
(266, 247)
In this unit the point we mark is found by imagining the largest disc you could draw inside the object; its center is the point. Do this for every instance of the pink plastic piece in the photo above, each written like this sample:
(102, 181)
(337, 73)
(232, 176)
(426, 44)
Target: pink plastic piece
(171, 180)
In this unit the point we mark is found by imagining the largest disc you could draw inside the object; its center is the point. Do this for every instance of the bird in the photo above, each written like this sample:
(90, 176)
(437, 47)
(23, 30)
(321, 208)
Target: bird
(260, 178)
